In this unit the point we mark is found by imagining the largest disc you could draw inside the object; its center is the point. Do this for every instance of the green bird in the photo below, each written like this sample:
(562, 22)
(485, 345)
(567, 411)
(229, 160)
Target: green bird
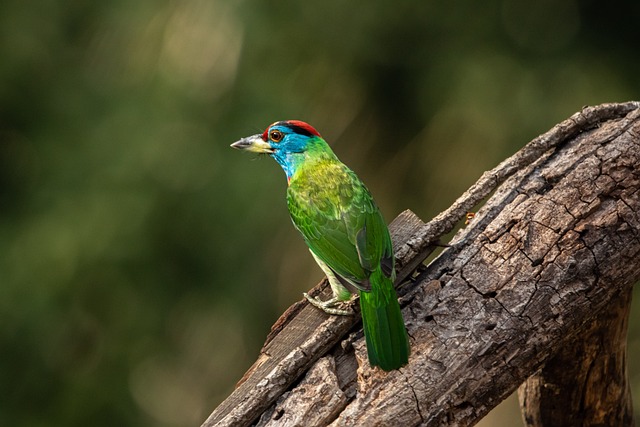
(345, 232)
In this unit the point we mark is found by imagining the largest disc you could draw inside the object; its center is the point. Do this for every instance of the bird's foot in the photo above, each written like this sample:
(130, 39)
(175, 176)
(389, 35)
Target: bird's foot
(328, 306)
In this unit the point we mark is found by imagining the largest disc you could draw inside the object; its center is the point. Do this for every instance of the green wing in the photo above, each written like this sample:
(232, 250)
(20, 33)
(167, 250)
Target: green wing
(341, 223)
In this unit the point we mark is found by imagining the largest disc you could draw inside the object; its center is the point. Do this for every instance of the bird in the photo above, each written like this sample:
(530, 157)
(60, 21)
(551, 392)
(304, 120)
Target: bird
(345, 232)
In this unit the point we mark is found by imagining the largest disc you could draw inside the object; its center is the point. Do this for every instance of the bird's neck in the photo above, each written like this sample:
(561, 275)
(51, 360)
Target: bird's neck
(292, 162)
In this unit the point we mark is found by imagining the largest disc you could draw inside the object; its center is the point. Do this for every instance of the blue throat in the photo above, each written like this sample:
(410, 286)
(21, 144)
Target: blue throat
(292, 152)
(288, 161)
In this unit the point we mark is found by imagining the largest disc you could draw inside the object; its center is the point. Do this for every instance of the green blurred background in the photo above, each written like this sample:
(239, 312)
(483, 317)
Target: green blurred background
(143, 261)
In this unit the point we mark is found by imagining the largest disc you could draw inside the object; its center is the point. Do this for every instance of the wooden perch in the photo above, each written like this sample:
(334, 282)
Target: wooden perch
(535, 291)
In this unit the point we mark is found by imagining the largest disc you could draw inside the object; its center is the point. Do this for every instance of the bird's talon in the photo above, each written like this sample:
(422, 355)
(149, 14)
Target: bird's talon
(328, 306)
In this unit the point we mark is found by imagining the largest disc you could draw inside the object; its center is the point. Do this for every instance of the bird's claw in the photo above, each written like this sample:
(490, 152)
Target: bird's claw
(328, 306)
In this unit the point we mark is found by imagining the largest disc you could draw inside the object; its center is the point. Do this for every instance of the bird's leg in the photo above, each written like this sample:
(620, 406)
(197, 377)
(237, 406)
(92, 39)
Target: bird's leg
(340, 293)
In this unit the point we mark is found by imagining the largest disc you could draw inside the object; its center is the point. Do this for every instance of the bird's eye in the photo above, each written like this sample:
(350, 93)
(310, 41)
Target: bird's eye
(276, 135)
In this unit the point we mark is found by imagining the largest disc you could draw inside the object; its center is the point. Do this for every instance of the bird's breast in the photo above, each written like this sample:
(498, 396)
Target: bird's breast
(328, 188)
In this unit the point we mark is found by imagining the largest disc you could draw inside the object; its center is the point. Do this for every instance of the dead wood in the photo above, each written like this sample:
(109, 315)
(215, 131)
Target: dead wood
(538, 280)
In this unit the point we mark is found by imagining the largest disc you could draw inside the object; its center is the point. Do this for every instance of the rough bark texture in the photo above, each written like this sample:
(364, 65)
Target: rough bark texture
(539, 280)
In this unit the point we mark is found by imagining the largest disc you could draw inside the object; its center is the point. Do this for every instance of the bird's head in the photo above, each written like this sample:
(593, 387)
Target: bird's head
(290, 136)
(284, 141)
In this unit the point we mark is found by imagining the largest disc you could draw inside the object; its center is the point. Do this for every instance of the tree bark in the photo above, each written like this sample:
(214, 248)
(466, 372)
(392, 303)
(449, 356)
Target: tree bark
(539, 281)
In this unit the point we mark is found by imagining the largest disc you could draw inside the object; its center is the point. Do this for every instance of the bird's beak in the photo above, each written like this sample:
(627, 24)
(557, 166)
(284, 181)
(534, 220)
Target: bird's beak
(254, 144)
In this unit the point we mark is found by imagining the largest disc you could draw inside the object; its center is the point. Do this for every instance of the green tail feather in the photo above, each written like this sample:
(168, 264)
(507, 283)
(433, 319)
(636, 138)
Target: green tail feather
(384, 331)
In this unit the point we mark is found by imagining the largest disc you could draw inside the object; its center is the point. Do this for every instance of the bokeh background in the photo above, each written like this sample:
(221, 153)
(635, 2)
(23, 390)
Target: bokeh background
(143, 261)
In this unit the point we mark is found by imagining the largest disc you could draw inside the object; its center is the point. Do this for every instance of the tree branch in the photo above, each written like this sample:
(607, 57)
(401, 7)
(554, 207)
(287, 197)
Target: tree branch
(546, 256)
